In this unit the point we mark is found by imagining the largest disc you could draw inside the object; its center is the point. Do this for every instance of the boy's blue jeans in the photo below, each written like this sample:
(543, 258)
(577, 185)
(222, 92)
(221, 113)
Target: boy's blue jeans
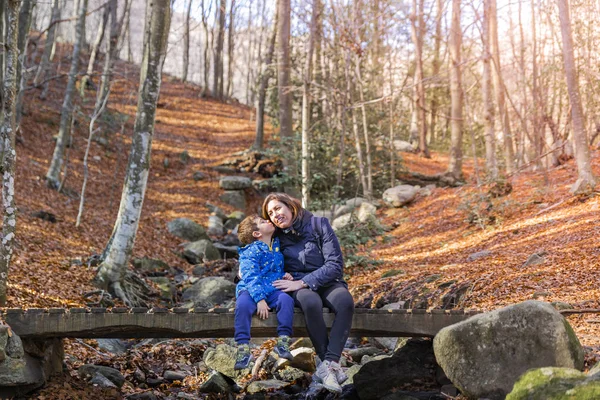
(245, 307)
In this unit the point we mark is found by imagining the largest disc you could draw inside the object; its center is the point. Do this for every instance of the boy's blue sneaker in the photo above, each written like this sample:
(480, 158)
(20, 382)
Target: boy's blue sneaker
(243, 357)
(282, 348)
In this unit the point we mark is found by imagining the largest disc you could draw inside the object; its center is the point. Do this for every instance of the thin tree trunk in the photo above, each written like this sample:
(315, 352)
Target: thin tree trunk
(585, 181)
(230, 46)
(112, 52)
(53, 174)
(436, 69)
(456, 94)
(537, 139)
(285, 85)
(262, 91)
(218, 59)
(8, 129)
(186, 42)
(357, 144)
(251, 38)
(488, 104)
(95, 49)
(418, 31)
(25, 18)
(111, 273)
(206, 45)
(48, 44)
(369, 166)
(306, 107)
(509, 151)
(391, 142)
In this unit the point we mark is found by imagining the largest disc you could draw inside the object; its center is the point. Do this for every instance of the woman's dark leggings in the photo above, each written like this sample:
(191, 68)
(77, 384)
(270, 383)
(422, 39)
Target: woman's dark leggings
(339, 300)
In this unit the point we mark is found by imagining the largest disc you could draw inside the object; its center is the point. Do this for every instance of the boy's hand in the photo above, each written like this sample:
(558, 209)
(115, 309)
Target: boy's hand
(288, 277)
(262, 309)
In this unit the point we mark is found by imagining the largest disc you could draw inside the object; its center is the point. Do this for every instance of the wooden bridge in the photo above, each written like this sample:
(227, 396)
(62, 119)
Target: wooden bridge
(210, 323)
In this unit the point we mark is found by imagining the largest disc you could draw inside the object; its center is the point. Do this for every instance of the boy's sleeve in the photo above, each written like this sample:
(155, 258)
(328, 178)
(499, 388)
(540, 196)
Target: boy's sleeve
(332, 269)
(251, 275)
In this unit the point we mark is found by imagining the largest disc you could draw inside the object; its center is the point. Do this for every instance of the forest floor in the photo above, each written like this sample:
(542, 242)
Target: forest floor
(429, 246)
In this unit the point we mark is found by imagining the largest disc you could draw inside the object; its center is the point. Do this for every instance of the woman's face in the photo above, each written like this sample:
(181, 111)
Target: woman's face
(280, 214)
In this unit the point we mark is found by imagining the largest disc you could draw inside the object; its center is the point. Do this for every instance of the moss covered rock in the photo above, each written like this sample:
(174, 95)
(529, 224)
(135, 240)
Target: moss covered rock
(555, 384)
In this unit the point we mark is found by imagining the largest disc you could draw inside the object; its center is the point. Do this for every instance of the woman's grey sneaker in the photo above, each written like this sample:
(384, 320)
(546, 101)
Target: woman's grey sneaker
(243, 357)
(339, 372)
(326, 375)
(282, 348)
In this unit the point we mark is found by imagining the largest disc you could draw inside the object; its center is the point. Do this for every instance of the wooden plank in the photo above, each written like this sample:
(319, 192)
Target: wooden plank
(211, 324)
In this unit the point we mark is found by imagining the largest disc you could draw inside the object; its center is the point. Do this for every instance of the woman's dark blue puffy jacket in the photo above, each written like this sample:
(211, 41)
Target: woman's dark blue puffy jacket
(311, 251)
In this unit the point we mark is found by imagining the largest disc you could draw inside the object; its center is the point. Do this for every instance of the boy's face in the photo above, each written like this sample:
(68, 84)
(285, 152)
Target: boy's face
(265, 227)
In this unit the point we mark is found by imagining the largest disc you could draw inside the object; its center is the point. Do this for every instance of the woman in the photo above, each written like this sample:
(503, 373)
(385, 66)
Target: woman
(312, 255)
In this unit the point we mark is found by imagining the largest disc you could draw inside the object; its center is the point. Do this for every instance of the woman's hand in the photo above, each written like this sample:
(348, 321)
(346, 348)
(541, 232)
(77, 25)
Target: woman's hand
(288, 286)
(288, 277)
(262, 309)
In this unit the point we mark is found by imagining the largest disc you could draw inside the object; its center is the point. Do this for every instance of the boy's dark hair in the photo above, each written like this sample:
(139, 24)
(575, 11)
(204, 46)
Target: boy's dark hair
(246, 229)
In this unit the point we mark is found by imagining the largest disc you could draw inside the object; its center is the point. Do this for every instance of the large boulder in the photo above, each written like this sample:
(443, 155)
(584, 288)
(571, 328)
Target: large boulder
(485, 355)
(215, 226)
(209, 291)
(27, 364)
(551, 383)
(186, 229)
(402, 145)
(235, 183)
(413, 364)
(88, 371)
(200, 251)
(401, 195)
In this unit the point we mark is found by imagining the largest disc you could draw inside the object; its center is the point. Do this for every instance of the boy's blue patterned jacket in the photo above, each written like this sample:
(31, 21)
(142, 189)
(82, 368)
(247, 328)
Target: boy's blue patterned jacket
(259, 267)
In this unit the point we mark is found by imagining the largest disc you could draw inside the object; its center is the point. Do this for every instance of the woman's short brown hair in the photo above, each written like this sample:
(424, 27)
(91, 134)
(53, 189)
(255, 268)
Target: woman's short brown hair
(292, 203)
(246, 229)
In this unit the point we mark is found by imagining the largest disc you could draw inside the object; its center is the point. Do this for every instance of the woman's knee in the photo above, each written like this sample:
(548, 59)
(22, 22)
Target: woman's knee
(342, 301)
(309, 301)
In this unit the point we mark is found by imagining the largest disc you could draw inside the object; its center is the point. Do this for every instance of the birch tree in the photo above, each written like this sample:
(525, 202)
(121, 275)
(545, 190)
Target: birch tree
(585, 180)
(95, 49)
(7, 136)
(456, 94)
(53, 174)
(112, 52)
(112, 272)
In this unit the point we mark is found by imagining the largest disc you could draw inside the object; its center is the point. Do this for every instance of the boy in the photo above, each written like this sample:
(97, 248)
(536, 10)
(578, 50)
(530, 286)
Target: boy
(261, 263)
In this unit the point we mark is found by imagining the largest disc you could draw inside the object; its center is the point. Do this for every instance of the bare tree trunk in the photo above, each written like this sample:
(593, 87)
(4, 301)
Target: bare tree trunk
(537, 134)
(8, 129)
(456, 94)
(95, 49)
(53, 174)
(306, 106)
(284, 81)
(25, 18)
(436, 69)
(186, 42)
(369, 167)
(124, 23)
(586, 181)
(509, 151)
(488, 103)
(49, 43)
(112, 52)
(391, 141)
(112, 272)
(206, 46)
(357, 144)
(218, 59)
(262, 90)
(230, 46)
(417, 32)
